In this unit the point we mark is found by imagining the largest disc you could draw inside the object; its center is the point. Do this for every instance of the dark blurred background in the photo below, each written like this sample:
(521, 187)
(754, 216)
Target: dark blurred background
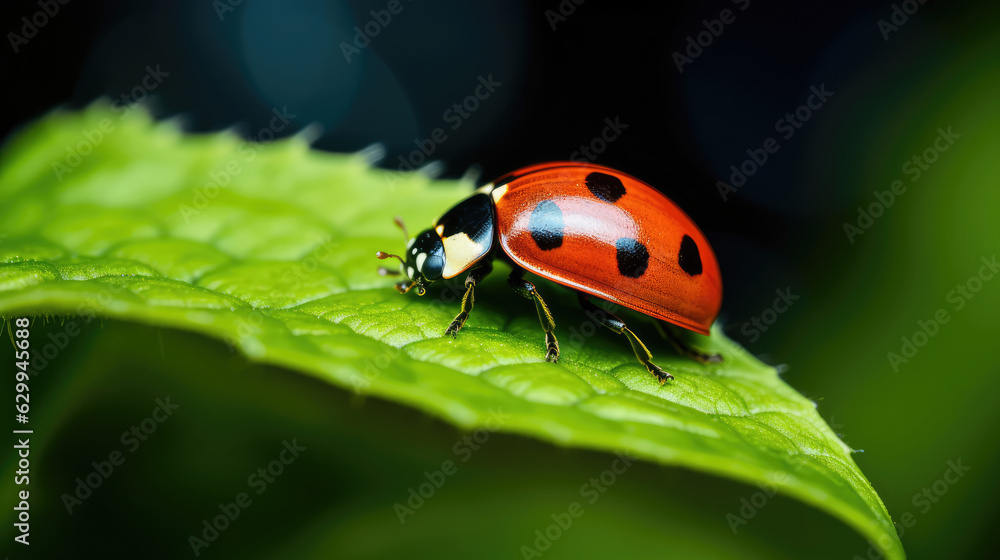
(674, 94)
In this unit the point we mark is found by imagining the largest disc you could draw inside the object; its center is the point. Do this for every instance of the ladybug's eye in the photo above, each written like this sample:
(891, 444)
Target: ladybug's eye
(432, 267)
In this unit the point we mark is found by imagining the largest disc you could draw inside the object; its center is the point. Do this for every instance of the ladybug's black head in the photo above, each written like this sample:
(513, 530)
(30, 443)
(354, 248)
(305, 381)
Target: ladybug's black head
(423, 264)
(424, 258)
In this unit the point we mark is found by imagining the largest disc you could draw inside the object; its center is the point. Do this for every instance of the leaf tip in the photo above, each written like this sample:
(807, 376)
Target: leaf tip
(372, 153)
(313, 131)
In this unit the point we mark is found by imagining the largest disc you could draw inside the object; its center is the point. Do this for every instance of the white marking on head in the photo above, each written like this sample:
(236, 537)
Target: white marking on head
(410, 244)
(498, 193)
(409, 272)
(420, 260)
(413, 251)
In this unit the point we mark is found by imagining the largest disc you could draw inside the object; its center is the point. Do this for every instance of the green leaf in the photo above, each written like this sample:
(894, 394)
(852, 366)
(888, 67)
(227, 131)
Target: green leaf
(271, 248)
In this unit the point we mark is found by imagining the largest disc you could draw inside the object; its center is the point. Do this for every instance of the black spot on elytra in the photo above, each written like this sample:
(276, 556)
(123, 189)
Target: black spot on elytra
(633, 258)
(605, 187)
(546, 225)
(689, 258)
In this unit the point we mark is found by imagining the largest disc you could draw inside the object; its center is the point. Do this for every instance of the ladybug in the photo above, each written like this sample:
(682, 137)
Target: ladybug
(591, 228)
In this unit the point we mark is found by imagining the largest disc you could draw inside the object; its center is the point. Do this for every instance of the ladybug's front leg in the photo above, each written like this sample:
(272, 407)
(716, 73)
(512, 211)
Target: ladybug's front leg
(527, 290)
(475, 276)
(612, 322)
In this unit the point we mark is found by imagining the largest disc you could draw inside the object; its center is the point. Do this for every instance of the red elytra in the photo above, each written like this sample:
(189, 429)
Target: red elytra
(669, 278)
(596, 230)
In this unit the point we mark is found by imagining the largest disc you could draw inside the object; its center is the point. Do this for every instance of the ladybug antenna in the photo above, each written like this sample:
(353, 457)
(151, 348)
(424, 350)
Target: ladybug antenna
(383, 271)
(402, 226)
(384, 255)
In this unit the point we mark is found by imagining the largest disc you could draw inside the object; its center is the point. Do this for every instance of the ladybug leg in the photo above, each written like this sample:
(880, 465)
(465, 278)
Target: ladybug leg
(611, 321)
(475, 276)
(683, 348)
(527, 290)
